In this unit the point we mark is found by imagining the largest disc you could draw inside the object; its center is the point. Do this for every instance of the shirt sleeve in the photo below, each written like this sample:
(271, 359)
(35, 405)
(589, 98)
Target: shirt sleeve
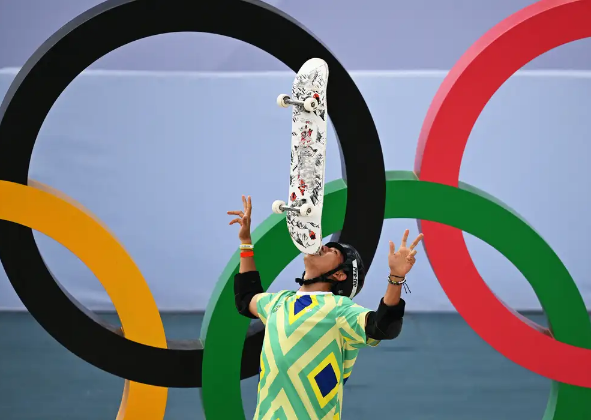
(265, 304)
(351, 321)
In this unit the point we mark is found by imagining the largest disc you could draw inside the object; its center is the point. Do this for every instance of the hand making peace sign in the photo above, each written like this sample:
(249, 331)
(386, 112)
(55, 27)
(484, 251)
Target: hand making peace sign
(401, 261)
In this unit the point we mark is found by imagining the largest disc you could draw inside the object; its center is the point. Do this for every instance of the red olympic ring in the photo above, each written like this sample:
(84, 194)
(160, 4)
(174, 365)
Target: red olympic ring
(464, 93)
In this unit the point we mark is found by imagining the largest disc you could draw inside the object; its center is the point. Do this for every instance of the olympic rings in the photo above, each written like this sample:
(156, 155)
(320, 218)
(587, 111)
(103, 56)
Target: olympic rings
(142, 355)
(464, 208)
(66, 54)
(461, 98)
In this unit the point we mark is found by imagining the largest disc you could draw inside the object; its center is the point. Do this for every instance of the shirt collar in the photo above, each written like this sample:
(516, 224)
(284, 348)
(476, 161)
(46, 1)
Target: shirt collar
(312, 293)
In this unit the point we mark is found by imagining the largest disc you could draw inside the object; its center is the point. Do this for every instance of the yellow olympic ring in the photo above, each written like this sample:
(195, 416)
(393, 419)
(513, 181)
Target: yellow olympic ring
(58, 216)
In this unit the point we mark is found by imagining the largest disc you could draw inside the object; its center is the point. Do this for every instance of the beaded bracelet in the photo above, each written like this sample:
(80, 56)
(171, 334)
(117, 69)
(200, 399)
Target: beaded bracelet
(399, 283)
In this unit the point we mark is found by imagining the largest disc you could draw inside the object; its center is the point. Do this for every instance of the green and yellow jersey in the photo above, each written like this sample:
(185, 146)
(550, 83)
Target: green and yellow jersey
(310, 347)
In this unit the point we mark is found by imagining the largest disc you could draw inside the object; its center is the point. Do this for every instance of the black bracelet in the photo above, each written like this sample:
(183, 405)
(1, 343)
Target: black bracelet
(399, 283)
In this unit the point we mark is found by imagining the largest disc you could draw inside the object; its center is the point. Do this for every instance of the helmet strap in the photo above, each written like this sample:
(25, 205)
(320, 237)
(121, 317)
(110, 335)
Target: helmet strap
(321, 278)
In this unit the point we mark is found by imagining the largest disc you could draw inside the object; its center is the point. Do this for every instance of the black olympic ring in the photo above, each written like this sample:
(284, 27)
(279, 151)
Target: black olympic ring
(76, 46)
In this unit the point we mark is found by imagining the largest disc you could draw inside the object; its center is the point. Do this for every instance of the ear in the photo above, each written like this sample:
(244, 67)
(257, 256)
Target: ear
(340, 275)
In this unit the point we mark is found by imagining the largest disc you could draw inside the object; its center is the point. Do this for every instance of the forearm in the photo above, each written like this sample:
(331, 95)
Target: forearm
(392, 295)
(386, 322)
(247, 262)
(247, 282)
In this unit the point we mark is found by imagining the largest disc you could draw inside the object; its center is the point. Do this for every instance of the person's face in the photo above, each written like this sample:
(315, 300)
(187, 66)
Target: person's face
(328, 259)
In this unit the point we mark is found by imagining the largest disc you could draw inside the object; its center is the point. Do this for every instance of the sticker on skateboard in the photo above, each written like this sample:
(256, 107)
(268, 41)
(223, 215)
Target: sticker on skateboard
(308, 156)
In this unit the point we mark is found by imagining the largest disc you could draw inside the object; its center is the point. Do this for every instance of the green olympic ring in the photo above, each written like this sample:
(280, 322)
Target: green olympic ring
(465, 208)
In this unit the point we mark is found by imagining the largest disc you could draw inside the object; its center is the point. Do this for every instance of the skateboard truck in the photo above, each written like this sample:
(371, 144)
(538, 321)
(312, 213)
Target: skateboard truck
(284, 101)
(280, 207)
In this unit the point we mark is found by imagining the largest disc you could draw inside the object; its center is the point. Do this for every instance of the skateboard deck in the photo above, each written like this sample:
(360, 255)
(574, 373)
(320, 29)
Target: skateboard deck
(308, 155)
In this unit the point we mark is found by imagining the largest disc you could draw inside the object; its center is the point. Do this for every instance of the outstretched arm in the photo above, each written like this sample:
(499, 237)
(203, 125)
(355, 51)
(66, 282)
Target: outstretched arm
(386, 322)
(247, 283)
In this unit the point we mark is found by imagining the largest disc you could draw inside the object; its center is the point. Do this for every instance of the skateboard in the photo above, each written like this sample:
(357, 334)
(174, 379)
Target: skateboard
(308, 156)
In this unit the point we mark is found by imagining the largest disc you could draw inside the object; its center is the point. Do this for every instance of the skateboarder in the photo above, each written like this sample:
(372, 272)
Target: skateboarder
(313, 335)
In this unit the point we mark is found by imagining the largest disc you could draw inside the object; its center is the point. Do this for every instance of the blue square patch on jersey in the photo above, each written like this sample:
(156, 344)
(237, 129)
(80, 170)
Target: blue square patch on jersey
(301, 303)
(326, 380)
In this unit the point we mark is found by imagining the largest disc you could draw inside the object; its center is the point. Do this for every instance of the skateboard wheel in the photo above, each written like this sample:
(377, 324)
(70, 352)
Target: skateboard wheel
(310, 104)
(280, 101)
(277, 204)
(306, 210)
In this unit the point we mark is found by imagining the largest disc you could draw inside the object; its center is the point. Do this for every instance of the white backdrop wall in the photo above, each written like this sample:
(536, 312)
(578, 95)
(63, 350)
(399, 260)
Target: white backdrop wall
(161, 157)
(364, 35)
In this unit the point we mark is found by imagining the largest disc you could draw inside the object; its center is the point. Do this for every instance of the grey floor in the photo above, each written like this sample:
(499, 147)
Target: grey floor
(437, 369)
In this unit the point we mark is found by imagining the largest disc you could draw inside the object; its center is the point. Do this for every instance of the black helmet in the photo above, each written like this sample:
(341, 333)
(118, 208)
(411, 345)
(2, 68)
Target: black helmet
(352, 266)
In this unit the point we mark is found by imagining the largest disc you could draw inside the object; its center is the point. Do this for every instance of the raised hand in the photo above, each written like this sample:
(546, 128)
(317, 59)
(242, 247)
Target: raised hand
(401, 261)
(243, 220)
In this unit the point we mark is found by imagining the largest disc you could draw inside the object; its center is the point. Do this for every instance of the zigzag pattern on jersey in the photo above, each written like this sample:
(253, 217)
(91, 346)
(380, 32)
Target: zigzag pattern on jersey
(317, 370)
(280, 409)
(268, 306)
(299, 317)
(312, 382)
(262, 371)
(269, 366)
(316, 375)
(349, 361)
(316, 367)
